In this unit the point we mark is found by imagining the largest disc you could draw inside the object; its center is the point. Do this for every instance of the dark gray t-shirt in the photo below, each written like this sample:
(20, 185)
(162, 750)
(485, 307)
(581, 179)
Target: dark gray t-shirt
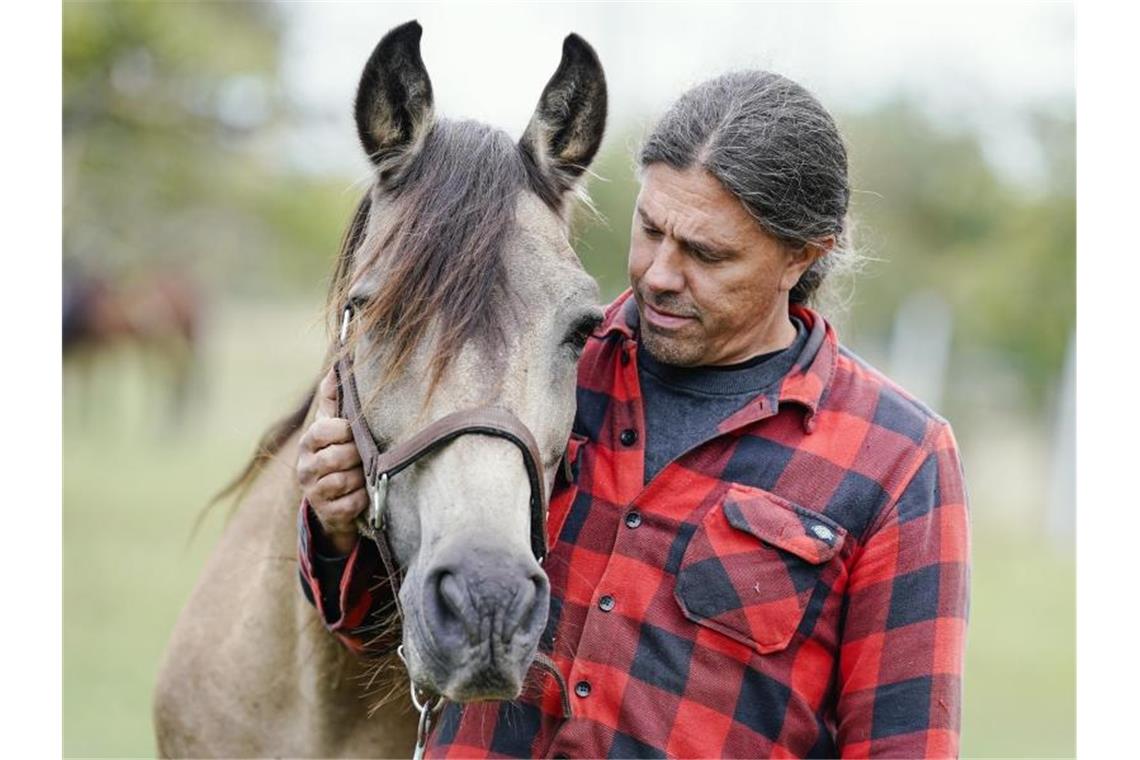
(684, 405)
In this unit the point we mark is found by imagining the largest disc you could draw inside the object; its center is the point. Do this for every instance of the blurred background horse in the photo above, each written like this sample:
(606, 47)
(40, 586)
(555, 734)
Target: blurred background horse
(155, 314)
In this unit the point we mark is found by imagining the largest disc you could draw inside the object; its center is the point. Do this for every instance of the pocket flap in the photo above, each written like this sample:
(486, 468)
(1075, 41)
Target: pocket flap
(803, 532)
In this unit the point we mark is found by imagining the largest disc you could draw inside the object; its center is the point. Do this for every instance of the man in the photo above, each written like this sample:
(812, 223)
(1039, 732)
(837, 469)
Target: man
(762, 547)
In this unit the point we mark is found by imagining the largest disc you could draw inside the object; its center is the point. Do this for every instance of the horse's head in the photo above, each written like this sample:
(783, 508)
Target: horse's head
(466, 293)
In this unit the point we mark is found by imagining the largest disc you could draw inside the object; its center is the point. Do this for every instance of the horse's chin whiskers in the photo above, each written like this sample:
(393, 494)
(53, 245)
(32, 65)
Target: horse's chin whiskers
(392, 677)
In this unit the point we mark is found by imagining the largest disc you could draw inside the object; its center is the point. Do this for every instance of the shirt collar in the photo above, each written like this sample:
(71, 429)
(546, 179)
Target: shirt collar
(807, 382)
(621, 317)
(810, 377)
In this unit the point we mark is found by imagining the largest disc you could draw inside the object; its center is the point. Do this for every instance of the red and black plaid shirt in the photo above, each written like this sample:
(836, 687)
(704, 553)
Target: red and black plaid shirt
(796, 586)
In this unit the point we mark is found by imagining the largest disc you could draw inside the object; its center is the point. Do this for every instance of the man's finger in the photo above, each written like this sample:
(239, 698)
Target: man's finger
(338, 515)
(326, 396)
(337, 484)
(325, 432)
(339, 456)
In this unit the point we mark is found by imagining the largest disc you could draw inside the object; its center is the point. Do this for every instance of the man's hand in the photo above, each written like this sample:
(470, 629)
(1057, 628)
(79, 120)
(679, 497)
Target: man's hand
(330, 472)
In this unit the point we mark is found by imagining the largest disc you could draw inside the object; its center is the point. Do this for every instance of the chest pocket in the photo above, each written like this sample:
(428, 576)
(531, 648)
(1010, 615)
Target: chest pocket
(752, 565)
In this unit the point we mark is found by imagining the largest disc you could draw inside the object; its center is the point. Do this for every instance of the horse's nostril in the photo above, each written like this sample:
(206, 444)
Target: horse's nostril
(451, 594)
(450, 611)
(529, 606)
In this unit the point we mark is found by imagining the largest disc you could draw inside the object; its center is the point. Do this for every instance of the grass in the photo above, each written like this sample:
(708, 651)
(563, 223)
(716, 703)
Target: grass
(132, 491)
(1020, 685)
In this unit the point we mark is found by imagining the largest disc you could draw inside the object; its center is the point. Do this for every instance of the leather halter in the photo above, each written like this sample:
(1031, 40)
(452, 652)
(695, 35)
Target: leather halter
(381, 465)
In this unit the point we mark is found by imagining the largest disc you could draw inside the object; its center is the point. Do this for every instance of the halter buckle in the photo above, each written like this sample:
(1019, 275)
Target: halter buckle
(378, 490)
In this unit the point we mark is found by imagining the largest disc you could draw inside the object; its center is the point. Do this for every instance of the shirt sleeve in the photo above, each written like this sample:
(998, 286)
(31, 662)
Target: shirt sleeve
(902, 648)
(351, 594)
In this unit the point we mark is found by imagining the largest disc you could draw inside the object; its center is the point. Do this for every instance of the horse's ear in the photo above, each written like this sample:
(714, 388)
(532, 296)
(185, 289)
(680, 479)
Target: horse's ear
(394, 100)
(566, 129)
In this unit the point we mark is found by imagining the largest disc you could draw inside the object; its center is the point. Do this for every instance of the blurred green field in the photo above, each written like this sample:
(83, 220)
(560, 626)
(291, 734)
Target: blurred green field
(132, 490)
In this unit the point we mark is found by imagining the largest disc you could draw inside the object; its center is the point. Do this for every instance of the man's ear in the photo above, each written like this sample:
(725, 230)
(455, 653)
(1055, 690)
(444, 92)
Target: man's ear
(800, 260)
(394, 101)
(566, 129)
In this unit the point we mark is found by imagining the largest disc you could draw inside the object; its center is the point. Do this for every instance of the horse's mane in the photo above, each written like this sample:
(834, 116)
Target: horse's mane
(450, 215)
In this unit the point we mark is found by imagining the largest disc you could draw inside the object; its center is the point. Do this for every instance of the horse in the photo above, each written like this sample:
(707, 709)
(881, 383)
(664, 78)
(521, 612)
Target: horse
(464, 293)
(158, 312)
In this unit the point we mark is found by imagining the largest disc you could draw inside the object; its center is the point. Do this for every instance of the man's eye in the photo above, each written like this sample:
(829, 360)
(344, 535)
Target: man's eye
(651, 232)
(705, 256)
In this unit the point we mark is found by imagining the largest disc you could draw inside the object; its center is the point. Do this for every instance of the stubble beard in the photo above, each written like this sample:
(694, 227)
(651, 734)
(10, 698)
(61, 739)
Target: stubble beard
(670, 349)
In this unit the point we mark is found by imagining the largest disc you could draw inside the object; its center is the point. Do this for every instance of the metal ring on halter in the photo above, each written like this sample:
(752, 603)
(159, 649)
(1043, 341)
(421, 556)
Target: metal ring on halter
(431, 702)
(427, 705)
(344, 324)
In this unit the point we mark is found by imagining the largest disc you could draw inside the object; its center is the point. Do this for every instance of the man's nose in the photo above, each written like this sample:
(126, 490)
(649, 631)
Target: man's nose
(664, 274)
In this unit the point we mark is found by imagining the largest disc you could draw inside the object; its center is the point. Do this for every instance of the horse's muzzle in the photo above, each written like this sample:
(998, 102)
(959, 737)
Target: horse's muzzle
(482, 613)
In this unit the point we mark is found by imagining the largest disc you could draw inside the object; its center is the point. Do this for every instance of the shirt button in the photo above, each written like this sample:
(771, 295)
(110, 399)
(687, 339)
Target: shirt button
(628, 437)
(823, 533)
(606, 603)
(582, 689)
(632, 520)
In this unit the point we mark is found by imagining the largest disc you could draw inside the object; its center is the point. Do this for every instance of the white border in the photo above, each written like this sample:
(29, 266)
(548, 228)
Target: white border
(1107, 419)
(31, 195)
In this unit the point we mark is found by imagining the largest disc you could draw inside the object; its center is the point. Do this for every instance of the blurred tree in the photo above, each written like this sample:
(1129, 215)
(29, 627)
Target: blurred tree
(169, 150)
(602, 227)
(938, 216)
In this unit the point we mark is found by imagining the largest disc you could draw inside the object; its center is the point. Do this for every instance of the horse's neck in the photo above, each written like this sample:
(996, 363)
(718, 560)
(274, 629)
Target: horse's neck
(250, 669)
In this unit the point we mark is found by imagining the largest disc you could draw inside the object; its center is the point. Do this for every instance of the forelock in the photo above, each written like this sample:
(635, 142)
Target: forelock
(441, 251)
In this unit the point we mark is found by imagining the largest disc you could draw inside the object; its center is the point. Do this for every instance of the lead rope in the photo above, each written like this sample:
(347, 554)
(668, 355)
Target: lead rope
(427, 710)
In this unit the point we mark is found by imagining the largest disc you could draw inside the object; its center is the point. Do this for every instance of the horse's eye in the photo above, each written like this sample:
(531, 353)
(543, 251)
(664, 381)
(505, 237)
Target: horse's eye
(358, 303)
(580, 332)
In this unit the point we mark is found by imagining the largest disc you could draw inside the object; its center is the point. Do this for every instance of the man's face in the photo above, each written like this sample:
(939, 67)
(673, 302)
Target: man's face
(711, 285)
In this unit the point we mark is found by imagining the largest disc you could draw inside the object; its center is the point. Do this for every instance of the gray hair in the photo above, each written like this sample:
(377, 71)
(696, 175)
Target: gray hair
(773, 146)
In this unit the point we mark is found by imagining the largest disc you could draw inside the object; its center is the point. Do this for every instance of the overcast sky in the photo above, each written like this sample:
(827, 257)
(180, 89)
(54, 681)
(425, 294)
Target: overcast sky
(979, 63)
